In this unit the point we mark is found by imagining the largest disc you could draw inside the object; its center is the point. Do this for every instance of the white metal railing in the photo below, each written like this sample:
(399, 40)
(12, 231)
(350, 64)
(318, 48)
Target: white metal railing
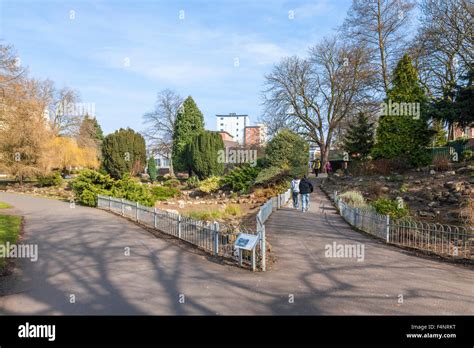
(441, 239)
(217, 239)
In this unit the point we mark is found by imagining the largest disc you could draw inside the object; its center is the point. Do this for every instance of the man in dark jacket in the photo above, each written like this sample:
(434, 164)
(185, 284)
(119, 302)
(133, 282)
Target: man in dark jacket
(305, 189)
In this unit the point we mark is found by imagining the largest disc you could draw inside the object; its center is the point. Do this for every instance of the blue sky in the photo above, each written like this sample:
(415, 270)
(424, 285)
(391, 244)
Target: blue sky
(194, 56)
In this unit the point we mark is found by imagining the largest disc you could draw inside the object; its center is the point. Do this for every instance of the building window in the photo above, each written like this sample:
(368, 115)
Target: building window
(165, 162)
(222, 125)
(158, 162)
(222, 129)
(222, 118)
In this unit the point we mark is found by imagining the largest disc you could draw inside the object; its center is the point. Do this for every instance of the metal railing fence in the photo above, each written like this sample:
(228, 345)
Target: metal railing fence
(212, 237)
(441, 239)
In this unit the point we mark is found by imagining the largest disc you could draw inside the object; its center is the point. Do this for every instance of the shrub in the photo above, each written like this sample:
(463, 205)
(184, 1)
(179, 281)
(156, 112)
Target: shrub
(90, 183)
(53, 179)
(193, 182)
(467, 155)
(375, 188)
(241, 178)
(387, 166)
(151, 170)
(233, 210)
(271, 175)
(441, 162)
(299, 171)
(210, 184)
(132, 190)
(172, 183)
(389, 207)
(353, 198)
(206, 215)
(162, 193)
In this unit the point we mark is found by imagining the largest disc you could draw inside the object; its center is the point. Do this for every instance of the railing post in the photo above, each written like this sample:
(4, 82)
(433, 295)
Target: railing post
(154, 217)
(263, 248)
(110, 202)
(179, 226)
(136, 211)
(216, 238)
(387, 217)
(122, 207)
(253, 260)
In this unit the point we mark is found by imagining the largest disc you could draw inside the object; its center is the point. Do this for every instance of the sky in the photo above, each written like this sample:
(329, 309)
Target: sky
(120, 54)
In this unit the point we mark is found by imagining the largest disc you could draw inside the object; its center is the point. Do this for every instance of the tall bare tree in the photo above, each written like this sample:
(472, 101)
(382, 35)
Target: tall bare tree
(312, 96)
(10, 66)
(443, 48)
(160, 123)
(380, 26)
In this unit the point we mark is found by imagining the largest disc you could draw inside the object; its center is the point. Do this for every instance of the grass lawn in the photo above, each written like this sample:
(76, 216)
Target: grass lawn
(9, 230)
(5, 205)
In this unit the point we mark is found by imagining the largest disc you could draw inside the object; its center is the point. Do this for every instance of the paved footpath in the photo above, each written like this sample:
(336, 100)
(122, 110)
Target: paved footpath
(81, 253)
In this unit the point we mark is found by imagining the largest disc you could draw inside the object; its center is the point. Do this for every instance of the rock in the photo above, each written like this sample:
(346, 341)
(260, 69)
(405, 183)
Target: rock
(452, 200)
(433, 204)
(453, 185)
(385, 189)
(432, 172)
(411, 178)
(417, 182)
(423, 213)
(450, 172)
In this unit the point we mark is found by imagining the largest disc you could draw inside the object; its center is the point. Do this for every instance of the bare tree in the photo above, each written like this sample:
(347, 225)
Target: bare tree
(63, 116)
(312, 96)
(160, 122)
(443, 47)
(380, 26)
(10, 65)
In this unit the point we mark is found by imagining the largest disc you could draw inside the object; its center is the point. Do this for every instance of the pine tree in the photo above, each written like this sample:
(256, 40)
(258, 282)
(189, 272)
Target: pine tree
(123, 153)
(359, 139)
(189, 122)
(203, 154)
(152, 172)
(401, 135)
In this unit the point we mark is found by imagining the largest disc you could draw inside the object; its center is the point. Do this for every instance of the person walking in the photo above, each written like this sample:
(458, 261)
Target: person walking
(316, 166)
(295, 191)
(328, 167)
(305, 189)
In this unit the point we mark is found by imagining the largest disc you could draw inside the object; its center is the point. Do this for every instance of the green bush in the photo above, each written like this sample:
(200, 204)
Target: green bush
(132, 190)
(241, 178)
(210, 184)
(271, 175)
(162, 193)
(353, 198)
(206, 215)
(389, 207)
(467, 155)
(233, 210)
(90, 183)
(53, 179)
(172, 183)
(299, 171)
(192, 182)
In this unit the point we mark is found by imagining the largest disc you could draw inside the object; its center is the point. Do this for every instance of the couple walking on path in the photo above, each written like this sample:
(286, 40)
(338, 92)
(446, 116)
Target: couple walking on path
(301, 187)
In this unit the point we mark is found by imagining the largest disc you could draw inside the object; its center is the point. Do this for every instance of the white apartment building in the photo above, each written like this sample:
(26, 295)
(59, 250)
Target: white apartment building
(234, 125)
